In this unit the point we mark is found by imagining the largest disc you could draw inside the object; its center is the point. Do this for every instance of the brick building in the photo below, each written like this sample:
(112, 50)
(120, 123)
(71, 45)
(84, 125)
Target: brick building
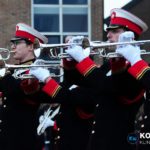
(34, 12)
(14, 11)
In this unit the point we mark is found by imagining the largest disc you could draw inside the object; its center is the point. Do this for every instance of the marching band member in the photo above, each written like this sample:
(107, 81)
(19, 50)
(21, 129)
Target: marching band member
(74, 120)
(18, 113)
(117, 100)
(121, 21)
(78, 118)
(140, 70)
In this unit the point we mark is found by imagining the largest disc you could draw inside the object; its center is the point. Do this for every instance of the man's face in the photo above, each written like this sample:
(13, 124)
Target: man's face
(113, 34)
(21, 50)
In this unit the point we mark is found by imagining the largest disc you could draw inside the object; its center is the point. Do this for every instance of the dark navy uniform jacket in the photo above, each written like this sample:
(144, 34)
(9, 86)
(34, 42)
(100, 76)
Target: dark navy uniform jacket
(17, 116)
(117, 98)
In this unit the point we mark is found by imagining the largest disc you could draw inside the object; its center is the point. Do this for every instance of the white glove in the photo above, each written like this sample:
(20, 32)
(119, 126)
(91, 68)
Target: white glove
(130, 52)
(47, 122)
(40, 73)
(76, 39)
(78, 53)
(127, 36)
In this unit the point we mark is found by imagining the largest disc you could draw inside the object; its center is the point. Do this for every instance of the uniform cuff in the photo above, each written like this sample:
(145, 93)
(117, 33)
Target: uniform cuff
(138, 69)
(52, 88)
(86, 66)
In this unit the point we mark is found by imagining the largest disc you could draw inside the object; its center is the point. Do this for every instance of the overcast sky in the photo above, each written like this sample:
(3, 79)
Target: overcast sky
(110, 4)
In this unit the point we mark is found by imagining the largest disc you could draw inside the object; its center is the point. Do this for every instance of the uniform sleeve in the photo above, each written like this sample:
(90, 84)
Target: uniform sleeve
(121, 83)
(59, 94)
(141, 71)
(96, 78)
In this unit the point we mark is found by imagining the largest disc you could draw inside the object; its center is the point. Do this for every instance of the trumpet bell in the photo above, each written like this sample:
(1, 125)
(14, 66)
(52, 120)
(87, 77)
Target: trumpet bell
(2, 72)
(5, 53)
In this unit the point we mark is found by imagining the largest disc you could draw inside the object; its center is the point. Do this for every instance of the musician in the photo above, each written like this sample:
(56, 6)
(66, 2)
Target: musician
(18, 111)
(117, 100)
(140, 70)
(74, 121)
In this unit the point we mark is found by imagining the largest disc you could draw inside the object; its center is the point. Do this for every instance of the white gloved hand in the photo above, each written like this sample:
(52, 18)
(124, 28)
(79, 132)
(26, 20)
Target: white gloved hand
(47, 122)
(130, 52)
(40, 73)
(73, 40)
(76, 39)
(77, 53)
(126, 36)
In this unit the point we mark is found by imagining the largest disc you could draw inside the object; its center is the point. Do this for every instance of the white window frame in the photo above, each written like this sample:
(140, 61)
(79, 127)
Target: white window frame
(61, 33)
(61, 6)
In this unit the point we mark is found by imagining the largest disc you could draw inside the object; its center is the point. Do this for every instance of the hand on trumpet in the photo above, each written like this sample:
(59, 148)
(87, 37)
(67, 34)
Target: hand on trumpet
(129, 52)
(127, 36)
(39, 72)
(73, 41)
(78, 53)
(76, 39)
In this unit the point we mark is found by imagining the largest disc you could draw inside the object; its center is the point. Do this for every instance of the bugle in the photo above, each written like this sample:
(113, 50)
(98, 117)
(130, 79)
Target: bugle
(93, 45)
(107, 44)
(5, 53)
(19, 70)
(99, 52)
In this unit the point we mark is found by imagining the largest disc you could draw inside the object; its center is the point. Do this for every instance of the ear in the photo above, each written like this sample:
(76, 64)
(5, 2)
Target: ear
(31, 47)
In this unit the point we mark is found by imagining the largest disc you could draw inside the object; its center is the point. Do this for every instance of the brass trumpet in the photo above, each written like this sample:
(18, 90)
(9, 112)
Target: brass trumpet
(95, 44)
(5, 53)
(99, 52)
(19, 70)
(92, 45)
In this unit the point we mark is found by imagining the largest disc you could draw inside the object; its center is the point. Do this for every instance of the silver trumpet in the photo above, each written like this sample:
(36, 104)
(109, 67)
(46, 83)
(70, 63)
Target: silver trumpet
(96, 44)
(100, 47)
(19, 70)
(48, 114)
(5, 53)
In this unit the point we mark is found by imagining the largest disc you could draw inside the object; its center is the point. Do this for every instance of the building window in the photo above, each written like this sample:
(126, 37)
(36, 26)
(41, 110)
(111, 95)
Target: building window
(75, 20)
(46, 1)
(78, 2)
(46, 20)
(59, 18)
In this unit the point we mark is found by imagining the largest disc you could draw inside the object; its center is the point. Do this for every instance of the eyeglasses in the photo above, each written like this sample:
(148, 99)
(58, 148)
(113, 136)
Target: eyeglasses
(15, 43)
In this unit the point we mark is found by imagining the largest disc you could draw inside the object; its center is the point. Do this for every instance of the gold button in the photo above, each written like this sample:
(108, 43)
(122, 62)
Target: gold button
(97, 105)
(94, 122)
(93, 132)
